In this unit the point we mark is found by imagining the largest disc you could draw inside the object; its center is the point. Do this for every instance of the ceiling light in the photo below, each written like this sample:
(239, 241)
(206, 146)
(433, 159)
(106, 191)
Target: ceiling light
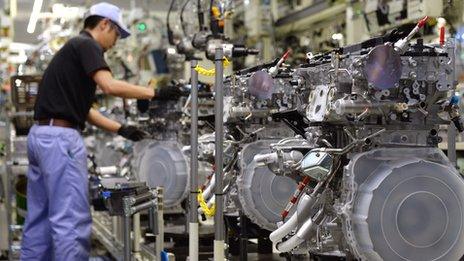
(34, 16)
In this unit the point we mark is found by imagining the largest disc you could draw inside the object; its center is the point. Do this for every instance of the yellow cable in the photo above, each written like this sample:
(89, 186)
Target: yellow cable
(201, 200)
(210, 72)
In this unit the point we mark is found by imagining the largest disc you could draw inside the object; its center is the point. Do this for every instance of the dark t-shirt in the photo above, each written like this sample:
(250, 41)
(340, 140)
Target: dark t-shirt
(67, 89)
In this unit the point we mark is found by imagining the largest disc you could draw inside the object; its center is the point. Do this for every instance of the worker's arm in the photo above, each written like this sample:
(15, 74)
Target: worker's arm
(111, 86)
(97, 119)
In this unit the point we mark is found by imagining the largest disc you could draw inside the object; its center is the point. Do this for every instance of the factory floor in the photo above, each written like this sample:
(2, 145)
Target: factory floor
(251, 257)
(261, 257)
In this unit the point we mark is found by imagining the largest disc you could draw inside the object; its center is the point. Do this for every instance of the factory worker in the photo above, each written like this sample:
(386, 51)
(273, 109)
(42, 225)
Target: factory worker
(58, 222)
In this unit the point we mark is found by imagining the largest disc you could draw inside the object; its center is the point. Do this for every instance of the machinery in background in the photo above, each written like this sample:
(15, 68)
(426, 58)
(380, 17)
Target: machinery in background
(379, 15)
(23, 93)
(319, 26)
(210, 32)
(374, 185)
(25, 88)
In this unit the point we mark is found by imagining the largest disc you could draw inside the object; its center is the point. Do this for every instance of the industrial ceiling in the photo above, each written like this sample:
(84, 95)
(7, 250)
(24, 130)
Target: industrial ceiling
(24, 8)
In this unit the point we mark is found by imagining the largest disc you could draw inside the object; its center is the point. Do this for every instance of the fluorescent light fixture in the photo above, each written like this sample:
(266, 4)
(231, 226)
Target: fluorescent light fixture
(34, 16)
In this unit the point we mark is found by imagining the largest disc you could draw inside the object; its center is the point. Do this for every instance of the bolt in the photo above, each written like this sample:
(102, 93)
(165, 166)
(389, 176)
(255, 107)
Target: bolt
(431, 77)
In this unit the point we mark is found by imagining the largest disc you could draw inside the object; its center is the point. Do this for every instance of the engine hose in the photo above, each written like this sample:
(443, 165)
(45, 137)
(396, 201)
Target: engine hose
(211, 201)
(290, 244)
(285, 229)
(210, 72)
(209, 209)
(209, 179)
(305, 202)
(305, 232)
(295, 196)
(209, 189)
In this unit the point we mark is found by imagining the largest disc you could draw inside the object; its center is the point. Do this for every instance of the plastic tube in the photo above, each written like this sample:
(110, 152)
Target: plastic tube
(306, 202)
(305, 232)
(284, 230)
(209, 189)
(211, 201)
(107, 170)
(290, 244)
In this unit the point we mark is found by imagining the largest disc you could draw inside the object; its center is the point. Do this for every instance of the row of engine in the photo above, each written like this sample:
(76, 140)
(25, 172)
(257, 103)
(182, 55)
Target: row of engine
(337, 156)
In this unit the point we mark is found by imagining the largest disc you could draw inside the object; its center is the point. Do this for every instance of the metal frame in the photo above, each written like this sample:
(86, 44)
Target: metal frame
(15, 166)
(133, 205)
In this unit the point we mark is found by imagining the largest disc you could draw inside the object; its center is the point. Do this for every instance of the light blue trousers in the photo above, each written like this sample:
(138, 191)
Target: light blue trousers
(58, 222)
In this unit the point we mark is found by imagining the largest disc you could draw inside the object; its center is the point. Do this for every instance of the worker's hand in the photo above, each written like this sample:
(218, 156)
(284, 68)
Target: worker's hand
(132, 133)
(167, 92)
(161, 94)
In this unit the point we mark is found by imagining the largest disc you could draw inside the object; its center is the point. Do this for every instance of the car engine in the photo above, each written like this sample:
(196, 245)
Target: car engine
(373, 184)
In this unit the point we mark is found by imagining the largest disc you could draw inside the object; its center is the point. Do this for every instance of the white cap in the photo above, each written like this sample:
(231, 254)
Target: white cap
(111, 12)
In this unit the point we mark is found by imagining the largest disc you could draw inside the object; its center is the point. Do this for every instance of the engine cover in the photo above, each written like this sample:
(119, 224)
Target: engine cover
(404, 204)
(162, 163)
(262, 194)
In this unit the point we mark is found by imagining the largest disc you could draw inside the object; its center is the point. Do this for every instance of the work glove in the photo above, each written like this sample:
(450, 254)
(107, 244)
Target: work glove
(143, 105)
(132, 133)
(167, 92)
(162, 93)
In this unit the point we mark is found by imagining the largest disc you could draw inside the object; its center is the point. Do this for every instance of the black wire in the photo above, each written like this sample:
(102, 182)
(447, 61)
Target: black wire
(170, 33)
(182, 17)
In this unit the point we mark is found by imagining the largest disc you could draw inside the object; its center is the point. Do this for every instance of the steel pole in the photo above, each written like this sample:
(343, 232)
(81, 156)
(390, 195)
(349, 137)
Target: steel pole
(159, 244)
(193, 213)
(137, 234)
(8, 191)
(452, 144)
(127, 239)
(219, 233)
